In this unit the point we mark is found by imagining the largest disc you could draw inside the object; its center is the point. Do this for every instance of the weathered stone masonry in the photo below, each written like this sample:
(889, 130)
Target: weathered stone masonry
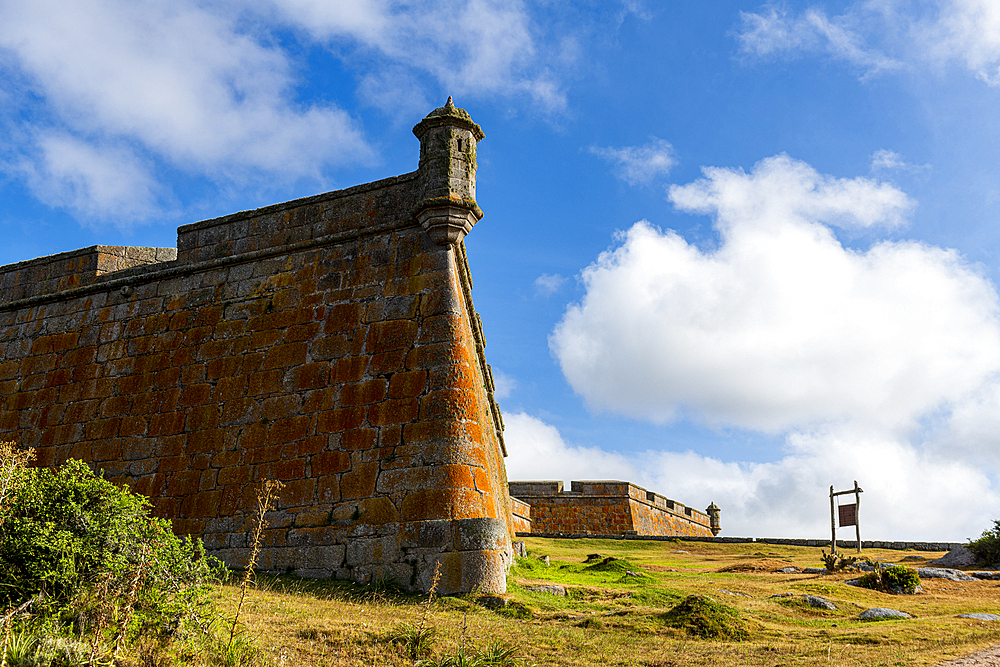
(606, 508)
(329, 342)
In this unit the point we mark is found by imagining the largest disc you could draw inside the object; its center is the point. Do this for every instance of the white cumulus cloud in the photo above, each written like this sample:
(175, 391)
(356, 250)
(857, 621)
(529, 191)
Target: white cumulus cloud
(638, 165)
(98, 180)
(537, 451)
(469, 46)
(878, 364)
(179, 81)
(212, 89)
(780, 326)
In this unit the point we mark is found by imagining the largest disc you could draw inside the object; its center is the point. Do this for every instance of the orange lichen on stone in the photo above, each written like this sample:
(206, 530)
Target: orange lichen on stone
(329, 342)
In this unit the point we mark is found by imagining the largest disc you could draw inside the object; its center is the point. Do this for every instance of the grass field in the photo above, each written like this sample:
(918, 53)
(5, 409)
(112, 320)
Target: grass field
(612, 617)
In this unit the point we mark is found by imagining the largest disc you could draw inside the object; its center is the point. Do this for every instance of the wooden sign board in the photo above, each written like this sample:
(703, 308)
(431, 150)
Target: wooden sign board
(848, 515)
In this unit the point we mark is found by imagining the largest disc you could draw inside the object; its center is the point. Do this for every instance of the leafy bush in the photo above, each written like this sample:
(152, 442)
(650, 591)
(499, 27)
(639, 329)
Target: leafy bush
(893, 579)
(66, 531)
(987, 547)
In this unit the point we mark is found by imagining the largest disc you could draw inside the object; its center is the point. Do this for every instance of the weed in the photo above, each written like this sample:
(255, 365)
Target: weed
(21, 648)
(496, 654)
(499, 653)
(12, 460)
(417, 640)
(240, 651)
(267, 494)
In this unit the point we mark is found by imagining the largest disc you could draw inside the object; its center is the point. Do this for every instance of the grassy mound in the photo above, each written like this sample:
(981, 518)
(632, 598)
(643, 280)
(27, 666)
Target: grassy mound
(615, 565)
(704, 617)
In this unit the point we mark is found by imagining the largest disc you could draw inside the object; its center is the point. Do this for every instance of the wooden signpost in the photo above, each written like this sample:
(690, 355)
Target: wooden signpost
(848, 515)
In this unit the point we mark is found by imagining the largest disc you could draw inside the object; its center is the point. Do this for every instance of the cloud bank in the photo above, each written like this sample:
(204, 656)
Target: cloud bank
(878, 364)
(114, 96)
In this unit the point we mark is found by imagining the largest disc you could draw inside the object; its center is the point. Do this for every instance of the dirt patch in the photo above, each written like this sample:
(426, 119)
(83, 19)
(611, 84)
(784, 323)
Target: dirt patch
(756, 565)
(990, 656)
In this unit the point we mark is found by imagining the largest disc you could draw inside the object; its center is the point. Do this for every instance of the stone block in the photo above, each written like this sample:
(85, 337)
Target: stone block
(481, 534)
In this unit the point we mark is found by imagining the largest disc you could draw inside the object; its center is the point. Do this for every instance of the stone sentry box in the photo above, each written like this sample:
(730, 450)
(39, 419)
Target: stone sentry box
(329, 342)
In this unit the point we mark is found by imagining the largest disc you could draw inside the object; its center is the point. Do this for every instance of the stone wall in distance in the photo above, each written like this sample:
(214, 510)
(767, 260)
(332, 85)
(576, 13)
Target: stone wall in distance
(606, 508)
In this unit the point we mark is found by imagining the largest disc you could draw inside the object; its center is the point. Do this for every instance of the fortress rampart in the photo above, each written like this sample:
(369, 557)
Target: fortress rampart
(329, 342)
(608, 508)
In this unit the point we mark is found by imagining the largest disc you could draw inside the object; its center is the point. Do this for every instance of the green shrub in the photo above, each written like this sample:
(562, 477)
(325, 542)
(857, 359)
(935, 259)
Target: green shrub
(893, 579)
(67, 531)
(987, 547)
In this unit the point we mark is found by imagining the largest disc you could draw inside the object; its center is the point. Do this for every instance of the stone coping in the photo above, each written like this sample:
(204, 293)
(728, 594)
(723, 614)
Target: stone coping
(296, 203)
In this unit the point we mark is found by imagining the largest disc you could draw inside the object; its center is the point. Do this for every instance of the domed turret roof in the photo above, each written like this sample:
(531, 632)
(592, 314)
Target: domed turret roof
(449, 114)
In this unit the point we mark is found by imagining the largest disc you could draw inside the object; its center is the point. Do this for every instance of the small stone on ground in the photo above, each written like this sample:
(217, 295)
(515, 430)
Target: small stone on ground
(986, 575)
(788, 570)
(876, 613)
(981, 617)
(814, 570)
(913, 558)
(821, 603)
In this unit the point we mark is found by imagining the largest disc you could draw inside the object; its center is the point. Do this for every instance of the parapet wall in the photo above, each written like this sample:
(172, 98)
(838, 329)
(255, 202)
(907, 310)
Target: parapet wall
(78, 268)
(329, 342)
(606, 508)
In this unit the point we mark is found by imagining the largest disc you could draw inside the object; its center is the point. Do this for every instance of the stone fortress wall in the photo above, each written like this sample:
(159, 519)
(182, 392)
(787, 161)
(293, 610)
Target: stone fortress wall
(607, 508)
(329, 342)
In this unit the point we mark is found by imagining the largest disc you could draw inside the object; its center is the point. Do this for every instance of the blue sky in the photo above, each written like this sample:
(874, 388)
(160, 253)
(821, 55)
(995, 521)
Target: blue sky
(733, 251)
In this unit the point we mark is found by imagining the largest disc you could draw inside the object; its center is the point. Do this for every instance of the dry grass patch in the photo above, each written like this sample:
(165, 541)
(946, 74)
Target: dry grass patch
(615, 619)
